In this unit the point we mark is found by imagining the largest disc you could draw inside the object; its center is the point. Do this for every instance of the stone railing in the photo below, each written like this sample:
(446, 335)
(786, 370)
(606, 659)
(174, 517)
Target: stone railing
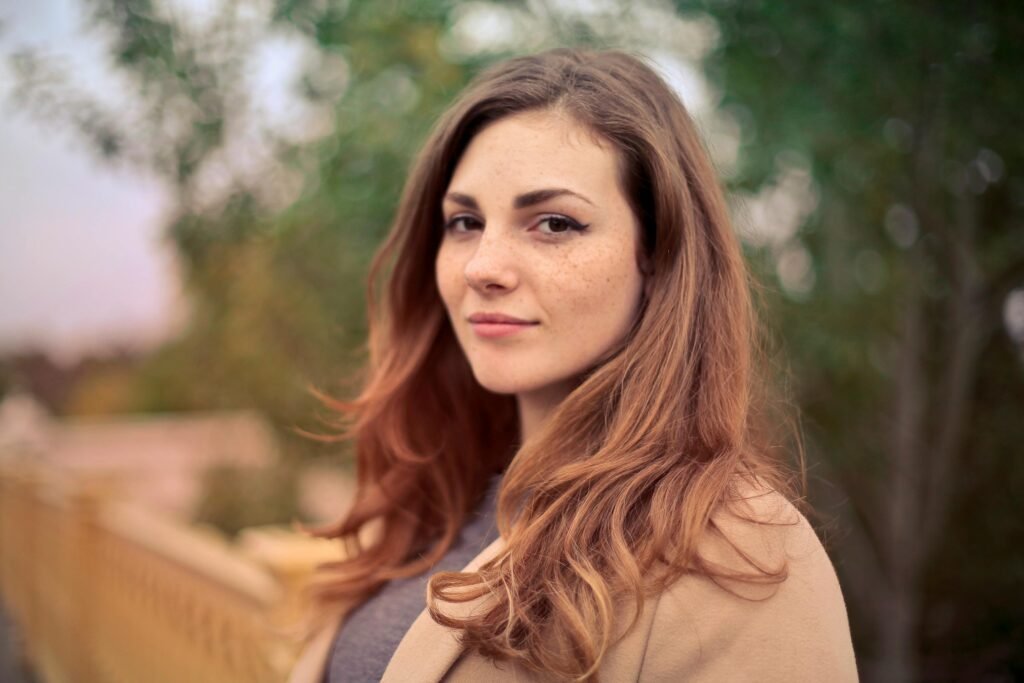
(103, 591)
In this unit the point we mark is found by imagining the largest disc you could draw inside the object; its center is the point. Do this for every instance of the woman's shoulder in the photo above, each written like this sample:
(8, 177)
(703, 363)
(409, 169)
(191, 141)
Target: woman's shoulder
(774, 599)
(756, 530)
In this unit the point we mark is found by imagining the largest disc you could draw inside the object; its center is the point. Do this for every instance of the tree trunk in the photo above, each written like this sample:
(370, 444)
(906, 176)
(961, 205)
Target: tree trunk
(897, 662)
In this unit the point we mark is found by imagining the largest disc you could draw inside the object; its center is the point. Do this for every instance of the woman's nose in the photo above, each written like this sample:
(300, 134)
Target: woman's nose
(492, 267)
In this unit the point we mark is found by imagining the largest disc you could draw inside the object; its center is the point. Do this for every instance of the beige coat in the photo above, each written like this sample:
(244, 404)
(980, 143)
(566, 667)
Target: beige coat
(693, 631)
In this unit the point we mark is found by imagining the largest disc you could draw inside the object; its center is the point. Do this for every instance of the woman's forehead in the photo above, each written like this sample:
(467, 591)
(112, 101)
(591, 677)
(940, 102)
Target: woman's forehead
(534, 150)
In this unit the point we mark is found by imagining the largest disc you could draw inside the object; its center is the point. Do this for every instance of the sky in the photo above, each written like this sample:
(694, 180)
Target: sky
(83, 267)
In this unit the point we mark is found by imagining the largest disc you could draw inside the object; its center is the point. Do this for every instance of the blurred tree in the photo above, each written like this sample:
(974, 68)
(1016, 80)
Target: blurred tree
(275, 284)
(6, 379)
(238, 498)
(903, 116)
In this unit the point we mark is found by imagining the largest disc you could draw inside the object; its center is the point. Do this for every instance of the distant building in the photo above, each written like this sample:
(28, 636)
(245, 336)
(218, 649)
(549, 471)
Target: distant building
(157, 460)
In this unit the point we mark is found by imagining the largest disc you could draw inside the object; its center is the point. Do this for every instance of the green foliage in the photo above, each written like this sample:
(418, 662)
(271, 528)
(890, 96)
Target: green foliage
(905, 114)
(276, 293)
(237, 498)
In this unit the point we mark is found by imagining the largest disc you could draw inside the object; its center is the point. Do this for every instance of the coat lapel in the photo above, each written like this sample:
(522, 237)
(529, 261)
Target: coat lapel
(428, 649)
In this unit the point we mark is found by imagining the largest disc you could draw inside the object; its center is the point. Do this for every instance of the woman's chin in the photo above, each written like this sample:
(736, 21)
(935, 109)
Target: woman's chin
(503, 384)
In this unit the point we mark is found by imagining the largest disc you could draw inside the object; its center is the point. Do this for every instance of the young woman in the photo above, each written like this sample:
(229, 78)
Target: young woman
(555, 446)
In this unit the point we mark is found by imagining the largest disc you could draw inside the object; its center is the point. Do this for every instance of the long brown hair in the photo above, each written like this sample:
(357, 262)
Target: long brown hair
(608, 502)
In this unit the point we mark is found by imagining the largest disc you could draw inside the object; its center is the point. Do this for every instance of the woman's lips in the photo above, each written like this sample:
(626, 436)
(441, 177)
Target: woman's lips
(495, 325)
(494, 330)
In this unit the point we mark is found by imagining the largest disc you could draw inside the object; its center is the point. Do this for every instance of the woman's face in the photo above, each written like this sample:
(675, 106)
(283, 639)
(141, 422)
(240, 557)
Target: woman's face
(538, 266)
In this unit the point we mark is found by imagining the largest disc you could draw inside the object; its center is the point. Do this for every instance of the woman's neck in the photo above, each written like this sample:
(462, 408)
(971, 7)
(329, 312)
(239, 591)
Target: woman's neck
(536, 406)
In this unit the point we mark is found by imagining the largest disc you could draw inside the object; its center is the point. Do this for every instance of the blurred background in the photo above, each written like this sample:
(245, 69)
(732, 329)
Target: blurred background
(190, 192)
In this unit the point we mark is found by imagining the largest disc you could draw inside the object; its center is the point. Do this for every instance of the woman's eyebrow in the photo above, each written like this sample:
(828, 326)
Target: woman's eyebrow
(520, 202)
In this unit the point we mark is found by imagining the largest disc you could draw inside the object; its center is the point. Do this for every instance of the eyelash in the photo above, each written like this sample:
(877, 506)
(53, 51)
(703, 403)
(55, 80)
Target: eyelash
(572, 225)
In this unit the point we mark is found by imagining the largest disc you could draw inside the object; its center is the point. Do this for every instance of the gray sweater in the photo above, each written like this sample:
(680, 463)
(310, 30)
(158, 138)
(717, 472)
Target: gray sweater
(371, 633)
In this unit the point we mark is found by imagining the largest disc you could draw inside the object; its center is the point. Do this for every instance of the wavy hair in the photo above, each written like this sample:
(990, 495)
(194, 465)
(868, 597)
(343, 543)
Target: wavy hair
(608, 502)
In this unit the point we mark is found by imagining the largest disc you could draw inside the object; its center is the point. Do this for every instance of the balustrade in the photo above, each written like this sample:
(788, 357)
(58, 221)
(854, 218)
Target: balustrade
(107, 592)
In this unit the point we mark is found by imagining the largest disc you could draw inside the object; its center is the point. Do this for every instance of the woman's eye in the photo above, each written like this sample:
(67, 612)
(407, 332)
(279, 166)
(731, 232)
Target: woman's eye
(461, 223)
(557, 225)
(548, 225)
